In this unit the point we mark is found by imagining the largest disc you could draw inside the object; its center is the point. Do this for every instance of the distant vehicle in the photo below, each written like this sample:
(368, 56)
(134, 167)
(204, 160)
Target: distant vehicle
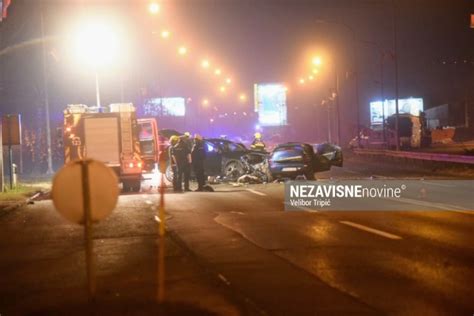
(223, 158)
(109, 135)
(412, 129)
(291, 160)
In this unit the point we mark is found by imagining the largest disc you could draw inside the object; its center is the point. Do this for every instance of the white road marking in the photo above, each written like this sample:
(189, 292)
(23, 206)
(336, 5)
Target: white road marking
(223, 279)
(438, 184)
(351, 171)
(379, 176)
(157, 219)
(148, 202)
(235, 212)
(256, 192)
(308, 209)
(371, 230)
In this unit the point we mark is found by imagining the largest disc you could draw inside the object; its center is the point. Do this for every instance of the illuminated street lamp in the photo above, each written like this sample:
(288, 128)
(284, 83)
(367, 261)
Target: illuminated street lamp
(315, 71)
(165, 34)
(205, 63)
(182, 50)
(222, 89)
(154, 8)
(310, 77)
(97, 45)
(228, 80)
(317, 61)
(218, 72)
(242, 97)
(302, 81)
(205, 102)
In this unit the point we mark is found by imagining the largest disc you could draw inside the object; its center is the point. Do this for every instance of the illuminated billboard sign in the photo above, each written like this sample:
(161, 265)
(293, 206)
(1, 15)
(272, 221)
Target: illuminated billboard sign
(270, 103)
(165, 107)
(378, 112)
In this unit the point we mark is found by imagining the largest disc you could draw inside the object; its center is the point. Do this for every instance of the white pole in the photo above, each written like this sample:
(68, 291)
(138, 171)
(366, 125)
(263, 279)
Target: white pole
(46, 100)
(97, 90)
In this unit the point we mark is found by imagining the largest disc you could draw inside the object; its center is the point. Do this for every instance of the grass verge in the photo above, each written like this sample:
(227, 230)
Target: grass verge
(20, 192)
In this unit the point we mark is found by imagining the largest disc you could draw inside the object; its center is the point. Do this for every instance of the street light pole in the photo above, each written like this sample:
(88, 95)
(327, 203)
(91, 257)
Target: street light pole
(356, 72)
(329, 121)
(326, 103)
(97, 89)
(382, 54)
(338, 114)
(382, 58)
(46, 99)
(395, 50)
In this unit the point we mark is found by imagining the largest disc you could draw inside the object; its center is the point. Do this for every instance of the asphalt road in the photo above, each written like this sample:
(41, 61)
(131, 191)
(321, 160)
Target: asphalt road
(265, 260)
(286, 262)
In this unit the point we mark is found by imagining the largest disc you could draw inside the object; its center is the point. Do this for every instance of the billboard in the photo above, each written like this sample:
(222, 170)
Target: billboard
(164, 107)
(378, 112)
(270, 103)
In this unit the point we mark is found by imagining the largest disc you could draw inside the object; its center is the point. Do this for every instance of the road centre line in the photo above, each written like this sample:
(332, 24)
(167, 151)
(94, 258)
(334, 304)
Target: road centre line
(256, 192)
(371, 230)
(438, 184)
(352, 171)
(308, 209)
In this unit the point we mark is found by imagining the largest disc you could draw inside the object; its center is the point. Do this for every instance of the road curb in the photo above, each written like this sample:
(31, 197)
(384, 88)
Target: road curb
(10, 208)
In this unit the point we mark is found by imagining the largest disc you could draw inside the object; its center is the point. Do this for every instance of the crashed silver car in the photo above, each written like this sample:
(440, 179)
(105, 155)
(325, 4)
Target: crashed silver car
(291, 160)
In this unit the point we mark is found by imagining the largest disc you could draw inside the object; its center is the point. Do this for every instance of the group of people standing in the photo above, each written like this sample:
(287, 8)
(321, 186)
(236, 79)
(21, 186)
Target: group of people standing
(186, 154)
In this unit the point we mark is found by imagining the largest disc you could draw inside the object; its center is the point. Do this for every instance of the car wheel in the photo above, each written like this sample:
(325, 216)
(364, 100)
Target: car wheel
(233, 170)
(169, 174)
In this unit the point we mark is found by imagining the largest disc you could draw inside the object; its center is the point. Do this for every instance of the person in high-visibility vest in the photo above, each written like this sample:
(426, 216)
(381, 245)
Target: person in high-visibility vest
(257, 143)
(174, 167)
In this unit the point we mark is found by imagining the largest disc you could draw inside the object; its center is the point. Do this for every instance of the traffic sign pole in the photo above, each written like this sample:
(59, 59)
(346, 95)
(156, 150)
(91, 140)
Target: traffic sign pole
(90, 266)
(10, 151)
(86, 192)
(161, 243)
(10, 162)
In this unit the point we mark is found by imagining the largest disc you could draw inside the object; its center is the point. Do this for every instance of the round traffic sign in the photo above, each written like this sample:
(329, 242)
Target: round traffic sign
(68, 196)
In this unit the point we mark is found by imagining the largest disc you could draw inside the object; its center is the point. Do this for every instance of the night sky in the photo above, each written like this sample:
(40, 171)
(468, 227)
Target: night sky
(255, 41)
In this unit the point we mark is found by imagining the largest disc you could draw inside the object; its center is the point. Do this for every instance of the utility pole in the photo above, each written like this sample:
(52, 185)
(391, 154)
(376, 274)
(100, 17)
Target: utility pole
(395, 50)
(357, 96)
(338, 113)
(46, 98)
(382, 55)
(355, 67)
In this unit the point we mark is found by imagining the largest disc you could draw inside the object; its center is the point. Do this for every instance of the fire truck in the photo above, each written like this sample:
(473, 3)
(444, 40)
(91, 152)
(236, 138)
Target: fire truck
(150, 145)
(108, 134)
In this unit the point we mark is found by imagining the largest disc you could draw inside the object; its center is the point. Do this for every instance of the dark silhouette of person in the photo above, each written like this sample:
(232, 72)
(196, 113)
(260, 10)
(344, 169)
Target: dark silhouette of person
(181, 156)
(198, 156)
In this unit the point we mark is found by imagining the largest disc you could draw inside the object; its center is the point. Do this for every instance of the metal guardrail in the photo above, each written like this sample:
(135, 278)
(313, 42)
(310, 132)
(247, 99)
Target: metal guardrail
(461, 159)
